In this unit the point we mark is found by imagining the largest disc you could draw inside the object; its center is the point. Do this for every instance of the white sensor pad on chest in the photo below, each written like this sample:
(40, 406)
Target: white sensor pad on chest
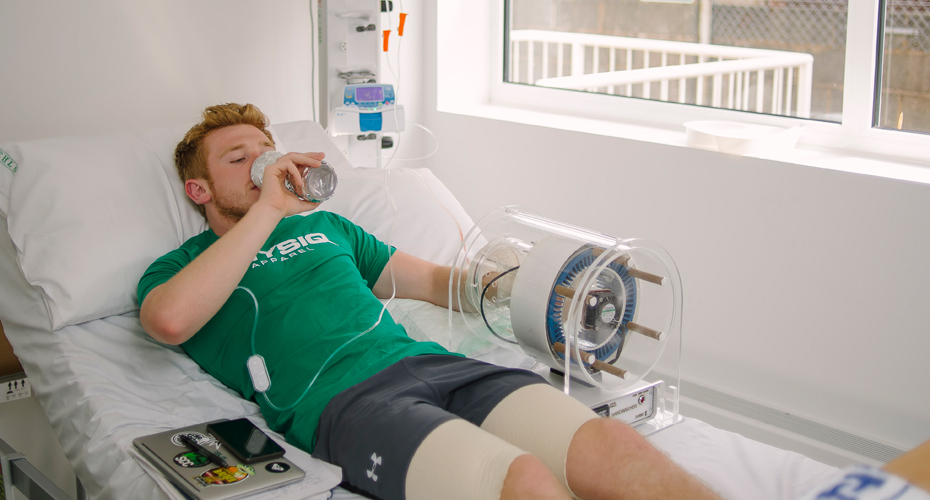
(261, 381)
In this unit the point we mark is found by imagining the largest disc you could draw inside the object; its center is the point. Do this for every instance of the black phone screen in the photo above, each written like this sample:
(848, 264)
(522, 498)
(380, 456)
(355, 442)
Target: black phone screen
(244, 440)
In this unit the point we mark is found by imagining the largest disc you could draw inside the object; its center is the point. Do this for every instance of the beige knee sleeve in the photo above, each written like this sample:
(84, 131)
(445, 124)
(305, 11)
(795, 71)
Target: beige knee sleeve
(459, 461)
(541, 420)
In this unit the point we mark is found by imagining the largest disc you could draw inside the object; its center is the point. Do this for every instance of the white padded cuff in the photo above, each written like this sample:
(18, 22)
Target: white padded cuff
(542, 420)
(459, 461)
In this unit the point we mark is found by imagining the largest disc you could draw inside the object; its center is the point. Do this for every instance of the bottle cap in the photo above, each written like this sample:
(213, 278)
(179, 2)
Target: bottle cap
(320, 183)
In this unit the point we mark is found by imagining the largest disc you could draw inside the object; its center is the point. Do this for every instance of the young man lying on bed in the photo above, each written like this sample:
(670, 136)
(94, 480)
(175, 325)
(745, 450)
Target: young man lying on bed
(404, 419)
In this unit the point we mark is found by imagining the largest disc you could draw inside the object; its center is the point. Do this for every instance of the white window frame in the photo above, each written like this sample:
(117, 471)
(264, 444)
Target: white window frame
(468, 88)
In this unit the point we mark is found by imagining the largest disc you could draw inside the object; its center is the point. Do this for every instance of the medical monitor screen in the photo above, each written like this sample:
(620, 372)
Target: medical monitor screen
(369, 94)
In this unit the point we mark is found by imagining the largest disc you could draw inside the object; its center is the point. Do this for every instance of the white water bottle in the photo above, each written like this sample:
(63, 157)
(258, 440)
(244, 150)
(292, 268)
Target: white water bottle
(319, 183)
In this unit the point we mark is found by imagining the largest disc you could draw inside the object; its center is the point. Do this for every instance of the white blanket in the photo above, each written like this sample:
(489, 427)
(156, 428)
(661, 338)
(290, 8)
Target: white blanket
(105, 382)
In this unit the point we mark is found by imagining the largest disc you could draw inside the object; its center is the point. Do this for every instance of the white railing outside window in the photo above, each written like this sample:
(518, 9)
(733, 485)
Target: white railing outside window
(745, 79)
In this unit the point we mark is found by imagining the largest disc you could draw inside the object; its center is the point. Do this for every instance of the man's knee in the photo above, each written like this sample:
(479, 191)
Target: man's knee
(607, 437)
(528, 477)
(602, 447)
(606, 430)
(607, 456)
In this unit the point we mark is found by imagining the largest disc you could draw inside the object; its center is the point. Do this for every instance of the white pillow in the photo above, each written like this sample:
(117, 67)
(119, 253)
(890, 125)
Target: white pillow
(308, 137)
(87, 215)
(430, 223)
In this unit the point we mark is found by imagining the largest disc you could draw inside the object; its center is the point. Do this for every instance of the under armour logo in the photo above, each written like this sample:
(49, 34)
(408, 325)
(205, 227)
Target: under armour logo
(375, 462)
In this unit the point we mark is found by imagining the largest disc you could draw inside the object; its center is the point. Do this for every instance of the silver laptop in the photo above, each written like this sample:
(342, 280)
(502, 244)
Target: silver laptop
(200, 478)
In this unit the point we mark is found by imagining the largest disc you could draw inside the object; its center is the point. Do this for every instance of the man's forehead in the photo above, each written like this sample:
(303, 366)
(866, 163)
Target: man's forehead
(224, 140)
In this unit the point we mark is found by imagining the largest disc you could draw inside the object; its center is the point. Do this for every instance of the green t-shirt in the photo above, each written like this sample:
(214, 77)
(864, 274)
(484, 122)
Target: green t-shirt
(313, 282)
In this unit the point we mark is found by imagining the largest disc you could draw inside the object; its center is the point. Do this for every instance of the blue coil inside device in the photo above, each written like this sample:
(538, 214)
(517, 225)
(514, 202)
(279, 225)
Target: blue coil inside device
(557, 308)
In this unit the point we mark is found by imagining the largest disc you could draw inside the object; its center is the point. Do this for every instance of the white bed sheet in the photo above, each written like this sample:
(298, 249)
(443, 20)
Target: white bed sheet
(106, 382)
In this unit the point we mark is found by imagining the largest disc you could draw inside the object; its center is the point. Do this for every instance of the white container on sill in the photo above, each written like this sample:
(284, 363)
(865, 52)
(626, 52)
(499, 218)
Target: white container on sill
(741, 138)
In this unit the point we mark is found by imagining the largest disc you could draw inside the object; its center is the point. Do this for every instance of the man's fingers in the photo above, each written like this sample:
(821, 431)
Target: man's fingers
(293, 165)
(306, 159)
(297, 178)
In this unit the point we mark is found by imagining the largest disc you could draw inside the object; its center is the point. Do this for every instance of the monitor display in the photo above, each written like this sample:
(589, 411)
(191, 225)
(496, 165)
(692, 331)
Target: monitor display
(369, 94)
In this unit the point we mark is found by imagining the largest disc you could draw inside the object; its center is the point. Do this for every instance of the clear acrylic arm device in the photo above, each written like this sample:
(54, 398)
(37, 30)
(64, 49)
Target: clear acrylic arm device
(603, 310)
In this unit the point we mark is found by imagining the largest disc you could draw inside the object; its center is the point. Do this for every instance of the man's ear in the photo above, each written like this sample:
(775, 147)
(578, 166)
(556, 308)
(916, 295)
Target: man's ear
(198, 191)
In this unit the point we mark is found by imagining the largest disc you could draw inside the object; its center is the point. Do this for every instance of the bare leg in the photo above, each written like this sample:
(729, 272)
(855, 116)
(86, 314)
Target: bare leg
(528, 478)
(608, 460)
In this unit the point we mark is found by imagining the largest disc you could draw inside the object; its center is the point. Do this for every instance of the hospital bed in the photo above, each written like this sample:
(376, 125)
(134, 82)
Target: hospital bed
(82, 217)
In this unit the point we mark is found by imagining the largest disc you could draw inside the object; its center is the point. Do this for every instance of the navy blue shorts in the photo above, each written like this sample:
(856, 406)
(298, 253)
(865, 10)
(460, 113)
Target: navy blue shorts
(373, 428)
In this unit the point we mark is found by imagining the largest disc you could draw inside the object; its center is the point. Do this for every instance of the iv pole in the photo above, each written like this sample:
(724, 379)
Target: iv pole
(350, 38)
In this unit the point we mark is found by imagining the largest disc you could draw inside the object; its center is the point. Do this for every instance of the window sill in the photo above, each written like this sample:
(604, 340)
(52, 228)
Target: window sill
(830, 159)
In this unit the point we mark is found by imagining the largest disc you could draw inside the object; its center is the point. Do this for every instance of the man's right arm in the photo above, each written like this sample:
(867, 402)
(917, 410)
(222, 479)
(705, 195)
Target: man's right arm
(178, 308)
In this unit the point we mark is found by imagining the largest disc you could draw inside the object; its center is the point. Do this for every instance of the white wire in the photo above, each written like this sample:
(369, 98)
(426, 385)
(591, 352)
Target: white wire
(400, 40)
(390, 267)
(428, 131)
(388, 57)
(313, 38)
(396, 96)
(396, 77)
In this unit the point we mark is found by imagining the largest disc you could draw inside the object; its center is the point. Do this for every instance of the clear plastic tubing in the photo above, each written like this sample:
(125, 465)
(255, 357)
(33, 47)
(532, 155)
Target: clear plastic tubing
(319, 183)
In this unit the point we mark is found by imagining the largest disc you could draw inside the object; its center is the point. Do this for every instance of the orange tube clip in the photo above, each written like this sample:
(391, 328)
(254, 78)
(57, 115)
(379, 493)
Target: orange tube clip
(387, 34)
(400, 27)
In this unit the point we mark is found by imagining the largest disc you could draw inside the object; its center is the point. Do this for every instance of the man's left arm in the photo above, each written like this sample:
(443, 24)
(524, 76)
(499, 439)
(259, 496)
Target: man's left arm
(415, 278)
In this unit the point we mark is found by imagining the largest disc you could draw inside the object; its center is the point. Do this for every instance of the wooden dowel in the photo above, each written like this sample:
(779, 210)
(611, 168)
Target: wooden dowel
(624, 260)
(611, 369)
(565, 291)
(643, 275)
(621, 260)
(644, 330)
(596, 363)
(587, 357)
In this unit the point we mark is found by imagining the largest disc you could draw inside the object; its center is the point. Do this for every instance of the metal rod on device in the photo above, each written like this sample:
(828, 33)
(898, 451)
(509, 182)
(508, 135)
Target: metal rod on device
(597, 364)
(644, 330)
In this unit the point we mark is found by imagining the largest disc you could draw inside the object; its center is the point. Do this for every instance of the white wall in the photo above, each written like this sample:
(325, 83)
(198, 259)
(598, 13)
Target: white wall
(110, 65)
(805, 289)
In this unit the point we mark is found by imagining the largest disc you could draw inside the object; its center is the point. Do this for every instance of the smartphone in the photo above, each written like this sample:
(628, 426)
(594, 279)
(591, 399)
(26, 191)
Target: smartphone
(244, 440)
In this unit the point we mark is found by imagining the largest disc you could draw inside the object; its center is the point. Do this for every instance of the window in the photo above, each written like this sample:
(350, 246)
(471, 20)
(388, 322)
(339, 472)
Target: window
(774, 57)
(904, 100)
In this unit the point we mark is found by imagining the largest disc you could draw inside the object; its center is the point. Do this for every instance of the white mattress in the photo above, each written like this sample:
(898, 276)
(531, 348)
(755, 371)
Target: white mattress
(105, 382)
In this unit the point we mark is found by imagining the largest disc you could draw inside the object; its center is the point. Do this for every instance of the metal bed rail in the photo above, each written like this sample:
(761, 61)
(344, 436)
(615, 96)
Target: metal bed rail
(19, 473)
